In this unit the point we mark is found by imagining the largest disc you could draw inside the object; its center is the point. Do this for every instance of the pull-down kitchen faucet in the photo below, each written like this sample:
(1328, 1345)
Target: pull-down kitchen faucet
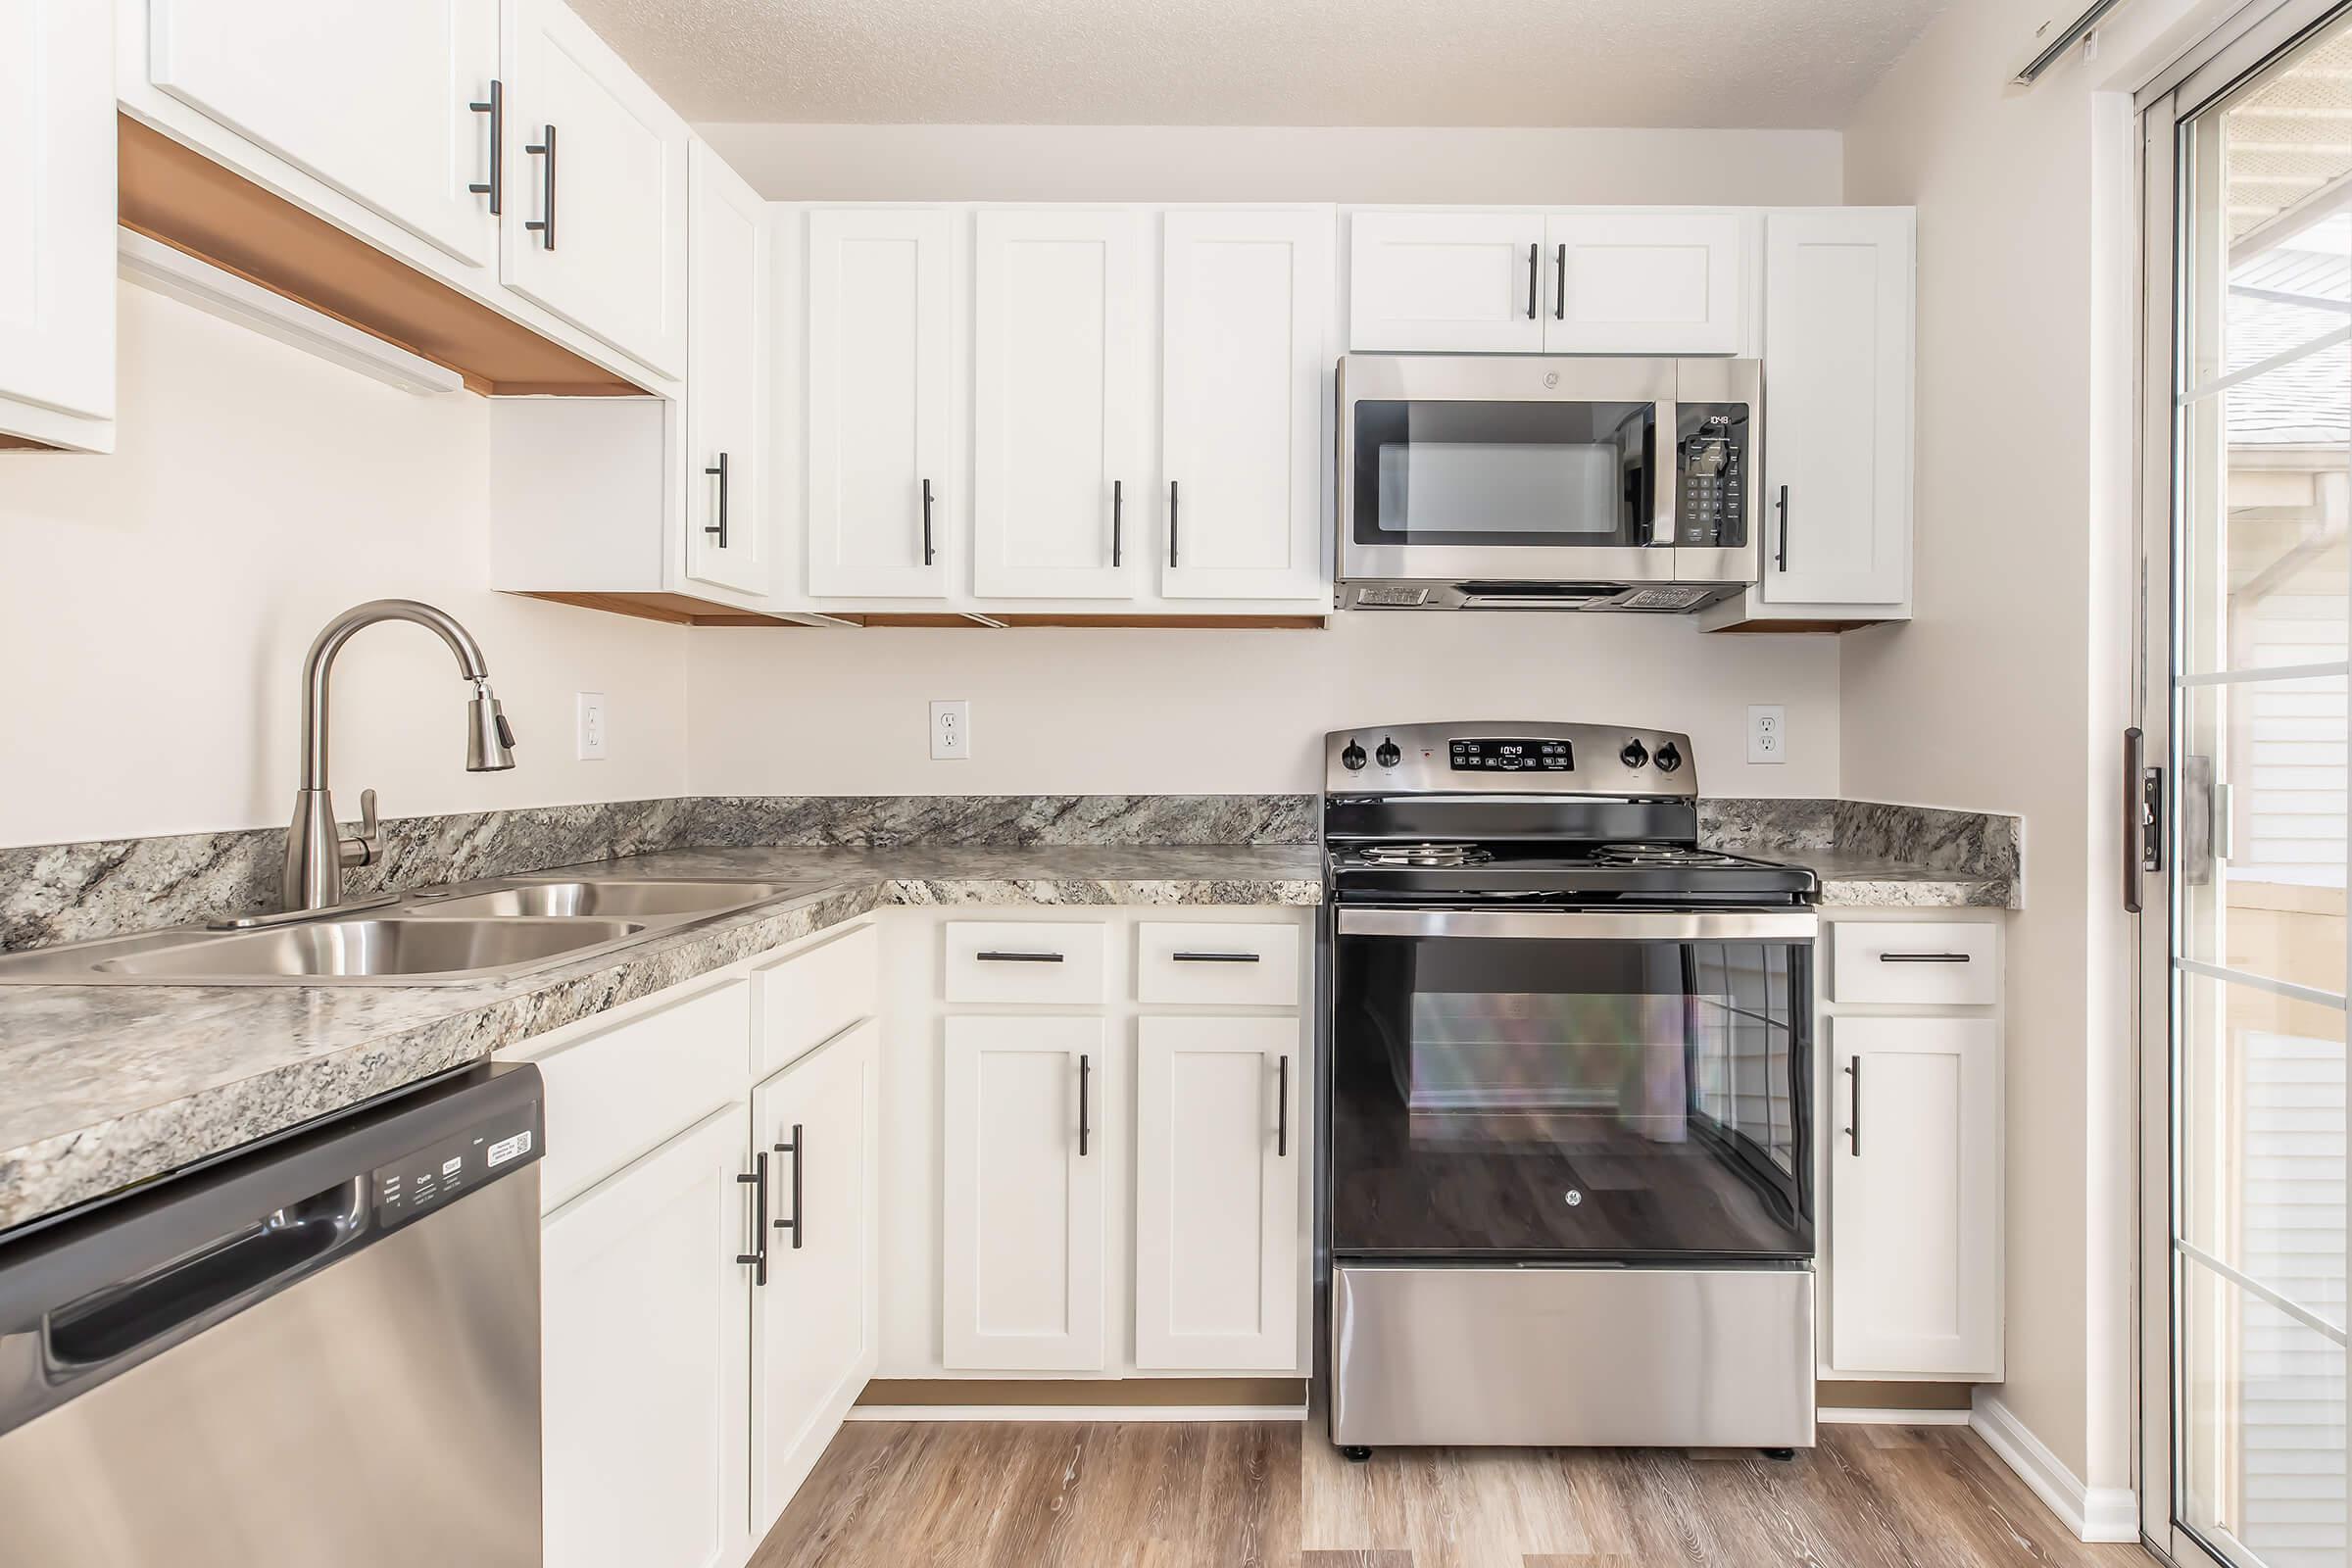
(316, 852)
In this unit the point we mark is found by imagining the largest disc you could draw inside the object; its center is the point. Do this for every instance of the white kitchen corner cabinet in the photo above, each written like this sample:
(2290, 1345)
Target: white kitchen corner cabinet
(1059, 464)
(1219, 1166)
(1029, 1112)
(595, 174)
(728, 524)
(393, 124)
(1244, 335)
(57, 225)
(882, 489)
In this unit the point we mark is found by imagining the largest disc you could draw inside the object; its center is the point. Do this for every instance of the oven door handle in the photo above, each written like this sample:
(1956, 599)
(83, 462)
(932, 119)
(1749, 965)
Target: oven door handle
(1597, 925)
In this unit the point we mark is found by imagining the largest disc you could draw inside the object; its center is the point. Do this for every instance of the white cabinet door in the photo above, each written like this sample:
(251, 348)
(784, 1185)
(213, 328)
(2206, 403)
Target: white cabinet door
(1838, 368)
(374, 99)
(1462, 282)
(813, 1323)
(645, 1319)
(1029, 1105)
(1218, 1164)
(880, 459)
(1059, 470)
(595, 226)
(57, 221)
(1915, 1197)
(1248, 296)
(1644, 282)
(727, 522)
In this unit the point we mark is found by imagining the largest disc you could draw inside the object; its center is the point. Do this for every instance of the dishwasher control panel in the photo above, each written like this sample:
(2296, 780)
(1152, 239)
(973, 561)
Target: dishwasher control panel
(418, 1183)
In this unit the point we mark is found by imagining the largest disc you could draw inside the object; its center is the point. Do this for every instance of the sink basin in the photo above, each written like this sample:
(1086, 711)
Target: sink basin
(381, 948)
(600, 897)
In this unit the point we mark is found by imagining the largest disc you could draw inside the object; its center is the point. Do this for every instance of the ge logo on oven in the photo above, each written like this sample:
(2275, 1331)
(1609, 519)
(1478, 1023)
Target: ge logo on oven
(1574, 1198)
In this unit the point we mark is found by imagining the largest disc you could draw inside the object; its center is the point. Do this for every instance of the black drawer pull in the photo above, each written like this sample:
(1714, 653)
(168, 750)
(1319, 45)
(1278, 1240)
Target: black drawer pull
(1019, 957)
(545, 225)
(1853, 1131)
(1215, 957)
(1084, 1070)
(495, 187)
(799, 1143)
(757, 1182)
(1923, 957)
(720, 527)
(1533, 250)
(1282, 1108)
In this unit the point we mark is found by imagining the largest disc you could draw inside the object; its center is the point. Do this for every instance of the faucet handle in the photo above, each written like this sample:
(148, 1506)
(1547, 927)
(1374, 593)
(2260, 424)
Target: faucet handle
(370, 845)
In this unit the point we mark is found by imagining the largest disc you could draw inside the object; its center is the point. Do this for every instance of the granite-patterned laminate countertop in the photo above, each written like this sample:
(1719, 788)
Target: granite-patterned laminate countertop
(1851, 881)
(105, 1086)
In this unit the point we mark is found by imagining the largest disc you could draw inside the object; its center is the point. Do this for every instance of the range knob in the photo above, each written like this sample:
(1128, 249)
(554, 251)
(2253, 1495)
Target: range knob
(1388, 756)
(1668, 758)
(1352, 759)
(1634, 754)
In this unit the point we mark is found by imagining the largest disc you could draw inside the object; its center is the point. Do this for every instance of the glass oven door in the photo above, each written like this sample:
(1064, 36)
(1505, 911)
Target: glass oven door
(1567, 1086)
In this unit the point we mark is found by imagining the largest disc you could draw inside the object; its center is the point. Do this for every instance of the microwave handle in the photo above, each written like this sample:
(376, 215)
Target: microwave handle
(1669, 472)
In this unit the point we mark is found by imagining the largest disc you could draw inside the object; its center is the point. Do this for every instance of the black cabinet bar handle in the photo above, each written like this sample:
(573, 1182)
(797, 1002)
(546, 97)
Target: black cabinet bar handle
(495, 105)
(1171, 522)
(1118, 502)
(1559, 285)
(545, 225)
(1854, 1130)
(1781, 556)
(720, 527)
(1923, 957)
(927, 550)
(1085, 1069)
(1282, 1108)
(1019, 957)
(758, 1257)
(799, 1143)
(1533, 251)
(1215, 957)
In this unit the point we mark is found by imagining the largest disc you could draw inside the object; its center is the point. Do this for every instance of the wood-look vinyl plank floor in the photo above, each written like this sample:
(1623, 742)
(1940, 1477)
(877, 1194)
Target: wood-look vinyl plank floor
(1274, 1495)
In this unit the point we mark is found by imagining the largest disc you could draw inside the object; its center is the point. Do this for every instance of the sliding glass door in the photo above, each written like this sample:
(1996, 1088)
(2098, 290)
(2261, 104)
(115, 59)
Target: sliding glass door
(2248, 581)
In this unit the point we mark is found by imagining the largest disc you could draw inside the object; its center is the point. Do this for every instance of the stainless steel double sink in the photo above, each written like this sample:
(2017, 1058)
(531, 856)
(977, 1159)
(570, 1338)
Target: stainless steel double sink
(449, 936)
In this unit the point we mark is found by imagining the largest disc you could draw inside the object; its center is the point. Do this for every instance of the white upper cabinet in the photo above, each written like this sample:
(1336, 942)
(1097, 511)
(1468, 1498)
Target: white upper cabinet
(595, 221)
(1060, 466)
(1837, 372)
(1446, 281)
(1029, 1107)
(727, 515)
(1247, 302)
(812, 1324)
(1915, 1190)
(1218, 1161)
(880, 457)
(1633, 282)
(57, 222)
(375, 100)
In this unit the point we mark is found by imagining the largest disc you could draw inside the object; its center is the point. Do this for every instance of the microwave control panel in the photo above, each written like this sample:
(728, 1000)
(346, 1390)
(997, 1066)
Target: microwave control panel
(1711, 472)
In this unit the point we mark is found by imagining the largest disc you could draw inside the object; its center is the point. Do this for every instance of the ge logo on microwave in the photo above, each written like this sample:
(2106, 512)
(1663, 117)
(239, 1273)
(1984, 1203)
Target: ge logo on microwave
(1574, 1198)
(1552, 378)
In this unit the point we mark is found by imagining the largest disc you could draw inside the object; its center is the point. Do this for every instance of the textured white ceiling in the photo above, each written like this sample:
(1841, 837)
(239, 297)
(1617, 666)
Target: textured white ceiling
(1788, 64)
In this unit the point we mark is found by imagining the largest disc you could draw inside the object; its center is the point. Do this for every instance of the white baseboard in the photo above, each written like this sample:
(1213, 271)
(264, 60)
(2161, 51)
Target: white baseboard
(1862, 1415)
(1077, 1412)
(2092, 1513)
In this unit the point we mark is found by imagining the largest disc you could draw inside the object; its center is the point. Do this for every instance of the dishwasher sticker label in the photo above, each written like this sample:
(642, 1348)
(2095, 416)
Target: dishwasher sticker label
(507, 1149)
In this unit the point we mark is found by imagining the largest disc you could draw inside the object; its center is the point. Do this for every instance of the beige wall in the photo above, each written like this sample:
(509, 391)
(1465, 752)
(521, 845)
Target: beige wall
(155, 604)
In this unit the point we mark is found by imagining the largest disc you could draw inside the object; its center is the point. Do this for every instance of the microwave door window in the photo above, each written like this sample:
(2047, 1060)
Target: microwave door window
(1530, 475)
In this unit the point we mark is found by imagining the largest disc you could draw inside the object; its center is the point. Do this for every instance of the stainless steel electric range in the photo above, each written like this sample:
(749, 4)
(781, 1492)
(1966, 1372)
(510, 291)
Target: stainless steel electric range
(1568, 1193)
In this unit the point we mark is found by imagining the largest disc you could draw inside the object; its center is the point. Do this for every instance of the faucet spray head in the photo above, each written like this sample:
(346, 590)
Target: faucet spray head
(489, 739)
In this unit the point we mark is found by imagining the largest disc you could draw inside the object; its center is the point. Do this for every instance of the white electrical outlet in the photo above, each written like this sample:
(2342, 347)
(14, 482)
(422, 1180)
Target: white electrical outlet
(950, 731)
(592, 726)
(1767, 733)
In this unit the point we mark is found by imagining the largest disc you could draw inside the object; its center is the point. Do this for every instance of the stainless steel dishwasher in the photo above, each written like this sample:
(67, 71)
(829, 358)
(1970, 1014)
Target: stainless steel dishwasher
(324, 1349)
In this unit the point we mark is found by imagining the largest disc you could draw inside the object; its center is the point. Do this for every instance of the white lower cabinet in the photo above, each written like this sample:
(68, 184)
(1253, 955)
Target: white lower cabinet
(812, 1323)
(1218, 1169)
(1915, 1184)
(1028, 1142)
(645, 1315)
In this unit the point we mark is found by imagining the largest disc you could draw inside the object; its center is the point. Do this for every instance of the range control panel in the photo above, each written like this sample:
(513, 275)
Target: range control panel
(1711, 474)
(1512, 755)
(418, 1183)
(1509, 757)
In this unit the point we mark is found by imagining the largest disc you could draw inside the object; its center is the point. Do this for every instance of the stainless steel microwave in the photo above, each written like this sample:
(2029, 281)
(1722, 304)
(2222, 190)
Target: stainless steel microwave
(1498, 481)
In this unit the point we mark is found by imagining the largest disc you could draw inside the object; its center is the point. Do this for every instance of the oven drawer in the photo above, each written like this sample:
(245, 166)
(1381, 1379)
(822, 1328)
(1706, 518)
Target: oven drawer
(1026, 962)
(1944, 964)
(1232, 965)
(1621, 1357)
